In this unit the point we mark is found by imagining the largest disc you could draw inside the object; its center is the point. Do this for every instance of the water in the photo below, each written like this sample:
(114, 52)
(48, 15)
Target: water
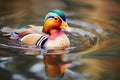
(95, 43)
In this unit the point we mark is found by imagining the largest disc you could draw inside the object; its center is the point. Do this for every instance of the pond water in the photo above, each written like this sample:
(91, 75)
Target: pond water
(95, 43)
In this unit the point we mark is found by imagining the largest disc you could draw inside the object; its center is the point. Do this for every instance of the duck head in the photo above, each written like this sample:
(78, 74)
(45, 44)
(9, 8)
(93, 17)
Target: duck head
(54, 21)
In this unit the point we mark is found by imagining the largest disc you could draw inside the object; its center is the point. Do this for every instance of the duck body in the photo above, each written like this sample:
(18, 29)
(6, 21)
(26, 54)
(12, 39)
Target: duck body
(49, 36)
(45, 41)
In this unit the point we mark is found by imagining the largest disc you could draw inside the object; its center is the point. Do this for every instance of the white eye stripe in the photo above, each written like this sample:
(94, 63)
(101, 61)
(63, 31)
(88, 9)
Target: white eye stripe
(51, 14)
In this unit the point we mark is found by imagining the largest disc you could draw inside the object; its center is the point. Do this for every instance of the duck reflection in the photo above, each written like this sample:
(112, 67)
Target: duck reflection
(55, 66)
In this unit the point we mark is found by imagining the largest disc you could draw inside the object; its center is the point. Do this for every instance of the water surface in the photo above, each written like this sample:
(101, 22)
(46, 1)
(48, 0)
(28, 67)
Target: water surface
(95, 43)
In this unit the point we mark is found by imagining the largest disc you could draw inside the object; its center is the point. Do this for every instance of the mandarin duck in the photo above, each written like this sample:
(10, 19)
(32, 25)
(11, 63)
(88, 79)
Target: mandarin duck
(49, 36)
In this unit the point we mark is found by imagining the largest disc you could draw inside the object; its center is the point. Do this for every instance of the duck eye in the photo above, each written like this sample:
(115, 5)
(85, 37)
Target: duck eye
(55, 18)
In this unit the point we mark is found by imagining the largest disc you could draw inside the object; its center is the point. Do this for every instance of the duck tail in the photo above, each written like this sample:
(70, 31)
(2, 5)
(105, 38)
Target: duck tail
(6, 31)
(9, 32)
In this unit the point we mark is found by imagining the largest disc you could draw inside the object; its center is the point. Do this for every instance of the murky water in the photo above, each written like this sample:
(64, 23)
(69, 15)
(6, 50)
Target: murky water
(95, 43)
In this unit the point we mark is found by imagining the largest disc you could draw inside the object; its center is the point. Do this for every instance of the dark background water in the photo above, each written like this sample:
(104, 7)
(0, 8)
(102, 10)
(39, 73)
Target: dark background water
(95, 42)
